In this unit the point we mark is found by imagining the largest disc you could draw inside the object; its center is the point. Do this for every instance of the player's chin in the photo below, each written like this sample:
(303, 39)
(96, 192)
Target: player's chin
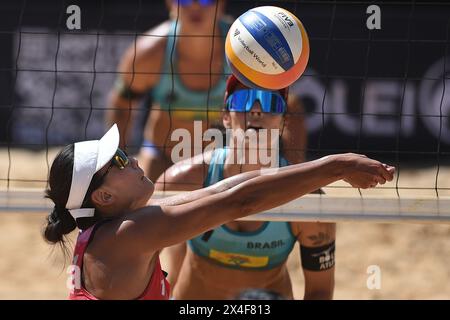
(197, 20)
(202, 23)
(149, 186)
(146, 183)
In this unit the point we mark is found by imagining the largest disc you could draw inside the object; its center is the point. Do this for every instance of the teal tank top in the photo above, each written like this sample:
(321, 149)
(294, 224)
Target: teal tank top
(171, 94)
(265, 248)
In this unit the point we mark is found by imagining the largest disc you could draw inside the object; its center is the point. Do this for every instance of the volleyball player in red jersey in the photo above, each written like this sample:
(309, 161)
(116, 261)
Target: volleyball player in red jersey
(157, 288)
(96, 187)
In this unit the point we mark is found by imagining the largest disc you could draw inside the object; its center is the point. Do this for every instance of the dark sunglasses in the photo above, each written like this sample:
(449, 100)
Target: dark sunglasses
(120, 160)
(243, 101)
(185, 3)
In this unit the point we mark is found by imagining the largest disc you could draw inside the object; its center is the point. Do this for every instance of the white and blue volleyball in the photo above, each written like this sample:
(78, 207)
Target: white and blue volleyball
(267, 47)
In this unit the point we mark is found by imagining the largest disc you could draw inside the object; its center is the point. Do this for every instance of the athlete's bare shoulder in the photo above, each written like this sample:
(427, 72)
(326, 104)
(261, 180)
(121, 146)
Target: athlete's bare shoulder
(153, 42)
(185, 175)
(142, 61)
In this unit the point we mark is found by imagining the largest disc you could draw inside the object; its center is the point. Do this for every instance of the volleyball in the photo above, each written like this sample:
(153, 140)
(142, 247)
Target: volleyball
(267, 47)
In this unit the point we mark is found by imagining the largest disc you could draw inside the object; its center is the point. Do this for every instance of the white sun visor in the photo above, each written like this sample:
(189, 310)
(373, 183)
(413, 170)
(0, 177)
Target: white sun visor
(89, 157)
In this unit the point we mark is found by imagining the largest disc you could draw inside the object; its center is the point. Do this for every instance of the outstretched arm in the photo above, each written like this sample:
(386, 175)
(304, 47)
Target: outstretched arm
(189, 175)
(154, 227)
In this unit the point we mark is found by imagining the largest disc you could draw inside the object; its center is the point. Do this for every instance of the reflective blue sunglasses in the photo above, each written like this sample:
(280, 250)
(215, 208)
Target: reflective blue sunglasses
(203, 3)
(243, 100)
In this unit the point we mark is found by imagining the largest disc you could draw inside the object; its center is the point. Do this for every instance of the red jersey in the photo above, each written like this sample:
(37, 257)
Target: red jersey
(158, 287)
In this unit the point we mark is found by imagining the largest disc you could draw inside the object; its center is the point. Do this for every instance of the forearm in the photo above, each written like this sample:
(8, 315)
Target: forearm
(237, 180)
(281, 185)
(250, 193)
(258, 192)
(219, 187)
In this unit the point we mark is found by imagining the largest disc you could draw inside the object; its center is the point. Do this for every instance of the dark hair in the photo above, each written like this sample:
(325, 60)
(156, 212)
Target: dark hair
(60, 222)
(258, 294)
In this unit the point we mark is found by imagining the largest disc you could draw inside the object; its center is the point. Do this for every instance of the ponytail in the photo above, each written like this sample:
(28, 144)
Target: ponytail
(59, 223)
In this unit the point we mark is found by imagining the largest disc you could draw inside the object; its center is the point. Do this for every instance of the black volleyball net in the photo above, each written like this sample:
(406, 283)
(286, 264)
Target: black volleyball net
(381, 92)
